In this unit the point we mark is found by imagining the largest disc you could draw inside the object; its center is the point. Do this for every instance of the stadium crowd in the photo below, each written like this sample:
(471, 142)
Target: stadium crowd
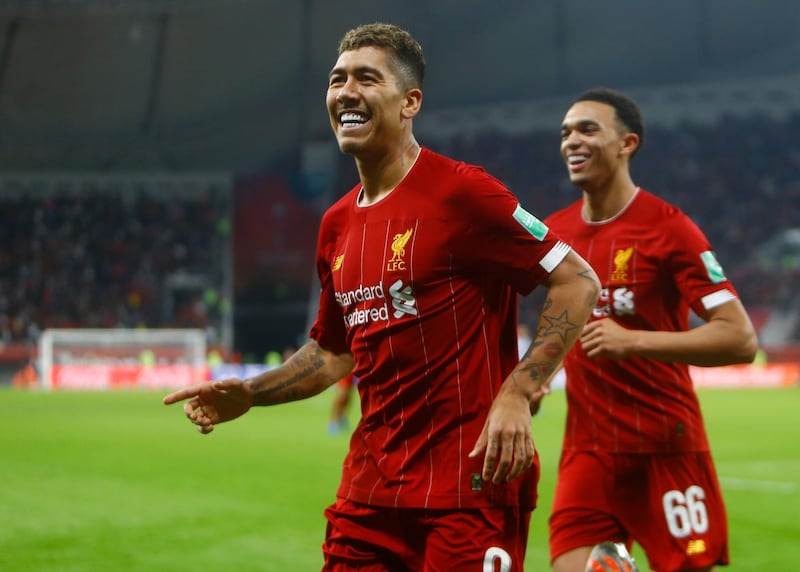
(92, 259)
(99, 259)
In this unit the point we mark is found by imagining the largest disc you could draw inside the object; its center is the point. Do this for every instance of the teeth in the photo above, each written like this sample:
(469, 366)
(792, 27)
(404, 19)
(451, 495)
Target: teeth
(576, 159)
(352, 118)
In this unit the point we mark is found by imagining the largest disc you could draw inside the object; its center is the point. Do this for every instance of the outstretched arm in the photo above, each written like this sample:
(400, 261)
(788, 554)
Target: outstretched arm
(727, 337)
(573, 288)
(308, 372)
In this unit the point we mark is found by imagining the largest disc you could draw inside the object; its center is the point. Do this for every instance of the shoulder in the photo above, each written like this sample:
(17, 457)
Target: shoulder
(454, 173)
(669, 219)
(646, 203)
(462, 190)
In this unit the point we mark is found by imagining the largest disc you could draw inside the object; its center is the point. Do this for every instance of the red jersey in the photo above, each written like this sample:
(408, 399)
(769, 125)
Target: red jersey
(654, 264)
(421, 288)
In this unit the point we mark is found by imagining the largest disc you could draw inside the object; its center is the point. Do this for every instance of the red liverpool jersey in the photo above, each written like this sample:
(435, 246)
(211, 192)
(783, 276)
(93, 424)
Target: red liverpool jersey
(654, 264)
(421, 288)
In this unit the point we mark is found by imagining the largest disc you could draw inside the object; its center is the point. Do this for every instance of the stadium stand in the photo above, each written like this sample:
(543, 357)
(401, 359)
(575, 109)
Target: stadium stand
(97, 254)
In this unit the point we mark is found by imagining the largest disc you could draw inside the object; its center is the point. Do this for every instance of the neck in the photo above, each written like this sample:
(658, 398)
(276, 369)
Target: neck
(607, 201)
(379, 177)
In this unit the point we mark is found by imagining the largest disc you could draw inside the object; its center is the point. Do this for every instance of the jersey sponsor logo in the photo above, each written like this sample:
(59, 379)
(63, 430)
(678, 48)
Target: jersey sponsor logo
(713, 267)
(363, 316)
(360, 294)
(337, 263)
(621, 260)
(397, 261)
(403, 300)
(403, 303)
(614, 301)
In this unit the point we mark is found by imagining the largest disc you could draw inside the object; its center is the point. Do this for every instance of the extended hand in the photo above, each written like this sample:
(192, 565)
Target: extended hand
(506, 438)
(215, 402)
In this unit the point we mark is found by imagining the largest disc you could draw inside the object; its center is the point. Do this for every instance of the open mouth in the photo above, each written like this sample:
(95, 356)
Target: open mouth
(576, 162)
(352, 120)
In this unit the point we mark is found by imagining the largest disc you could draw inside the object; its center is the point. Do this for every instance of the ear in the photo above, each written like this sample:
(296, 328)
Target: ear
(412, 102)
(629, 144)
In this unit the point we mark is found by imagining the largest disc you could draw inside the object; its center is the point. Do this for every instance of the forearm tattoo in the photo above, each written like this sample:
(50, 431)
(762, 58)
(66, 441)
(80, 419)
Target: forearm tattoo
(590, 276)
(552, 336)
(303, 379)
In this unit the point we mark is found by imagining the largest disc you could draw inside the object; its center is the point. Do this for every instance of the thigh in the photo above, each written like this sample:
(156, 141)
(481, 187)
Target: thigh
(371, 539)
(582, 515)
(673, 506)
(477, 539)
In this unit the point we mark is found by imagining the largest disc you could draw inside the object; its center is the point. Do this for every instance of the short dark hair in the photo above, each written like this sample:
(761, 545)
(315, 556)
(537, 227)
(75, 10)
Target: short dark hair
(406, 54)
(626, 110)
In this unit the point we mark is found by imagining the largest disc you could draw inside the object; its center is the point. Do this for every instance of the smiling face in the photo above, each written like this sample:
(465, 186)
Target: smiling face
(370, 112)
(595, 146)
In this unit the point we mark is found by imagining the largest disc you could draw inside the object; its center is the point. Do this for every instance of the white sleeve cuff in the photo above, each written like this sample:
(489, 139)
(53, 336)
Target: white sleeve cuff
(555, 256)
(717, 299)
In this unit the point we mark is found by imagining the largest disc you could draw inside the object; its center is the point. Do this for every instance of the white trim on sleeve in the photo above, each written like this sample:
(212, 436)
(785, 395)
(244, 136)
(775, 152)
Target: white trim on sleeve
(555, 256)
(717, 298)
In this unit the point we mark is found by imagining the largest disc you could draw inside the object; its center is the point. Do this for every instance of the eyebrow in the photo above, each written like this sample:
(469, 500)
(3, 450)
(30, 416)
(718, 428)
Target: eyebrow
(359, 70)
(579, 123)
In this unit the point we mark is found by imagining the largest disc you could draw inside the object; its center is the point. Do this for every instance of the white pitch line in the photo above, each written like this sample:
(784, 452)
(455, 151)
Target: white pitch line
(754, 485)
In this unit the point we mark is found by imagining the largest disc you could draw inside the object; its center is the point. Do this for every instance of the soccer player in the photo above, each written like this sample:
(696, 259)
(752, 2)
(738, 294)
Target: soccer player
(636, 464)
(420, 265)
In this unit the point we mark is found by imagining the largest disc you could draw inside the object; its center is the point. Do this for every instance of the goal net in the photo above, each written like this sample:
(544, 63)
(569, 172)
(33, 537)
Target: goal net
(122, 358)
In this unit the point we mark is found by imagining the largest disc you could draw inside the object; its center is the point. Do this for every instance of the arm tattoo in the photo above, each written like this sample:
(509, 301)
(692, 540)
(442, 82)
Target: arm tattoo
(550, 325)
(304, 369)
(556, 325)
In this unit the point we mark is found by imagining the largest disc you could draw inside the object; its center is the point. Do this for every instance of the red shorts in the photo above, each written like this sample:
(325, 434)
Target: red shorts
(670, 504)
(379, 539)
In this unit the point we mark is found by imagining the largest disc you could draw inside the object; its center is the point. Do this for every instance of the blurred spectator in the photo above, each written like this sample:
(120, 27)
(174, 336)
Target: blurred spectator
(102, 259)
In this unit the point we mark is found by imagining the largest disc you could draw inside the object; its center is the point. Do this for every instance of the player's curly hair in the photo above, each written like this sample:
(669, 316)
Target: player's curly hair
(406, 60)
(627, 111)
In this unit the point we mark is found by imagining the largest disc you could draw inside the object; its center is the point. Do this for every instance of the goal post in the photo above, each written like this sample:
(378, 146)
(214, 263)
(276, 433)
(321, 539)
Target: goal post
(120, 358)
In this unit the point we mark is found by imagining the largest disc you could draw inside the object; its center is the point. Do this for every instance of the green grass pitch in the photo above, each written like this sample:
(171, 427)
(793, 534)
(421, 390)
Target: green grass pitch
(117, 481)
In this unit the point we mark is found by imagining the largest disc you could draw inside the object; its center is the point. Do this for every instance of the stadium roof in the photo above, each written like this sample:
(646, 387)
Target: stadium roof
(231, 84)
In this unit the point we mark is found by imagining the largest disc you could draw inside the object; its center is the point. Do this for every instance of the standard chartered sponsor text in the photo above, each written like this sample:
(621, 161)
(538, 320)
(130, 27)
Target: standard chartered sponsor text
(358, 317)
(402, 297)
(360, 294)
(363, 315)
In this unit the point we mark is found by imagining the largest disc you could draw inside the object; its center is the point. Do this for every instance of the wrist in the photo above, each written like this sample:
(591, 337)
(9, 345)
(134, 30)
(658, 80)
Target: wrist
(521, 384)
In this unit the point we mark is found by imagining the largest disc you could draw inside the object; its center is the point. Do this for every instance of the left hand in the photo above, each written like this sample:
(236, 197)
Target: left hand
(606, 338)
(506, 438)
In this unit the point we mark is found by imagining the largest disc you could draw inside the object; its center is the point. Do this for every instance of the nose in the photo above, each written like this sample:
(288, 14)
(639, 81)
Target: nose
(347, 92)
(571, 139)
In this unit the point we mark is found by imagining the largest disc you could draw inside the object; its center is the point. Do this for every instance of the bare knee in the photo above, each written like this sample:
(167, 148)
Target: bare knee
(573, 560)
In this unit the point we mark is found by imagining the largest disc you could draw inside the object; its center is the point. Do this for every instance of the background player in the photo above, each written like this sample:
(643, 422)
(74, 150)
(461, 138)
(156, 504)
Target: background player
(636, 463)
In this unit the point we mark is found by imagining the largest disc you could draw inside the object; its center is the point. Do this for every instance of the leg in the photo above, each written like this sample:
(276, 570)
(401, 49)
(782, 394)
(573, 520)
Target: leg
(582, 515)
(572, 560)
(369, 539)
(476, 539)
